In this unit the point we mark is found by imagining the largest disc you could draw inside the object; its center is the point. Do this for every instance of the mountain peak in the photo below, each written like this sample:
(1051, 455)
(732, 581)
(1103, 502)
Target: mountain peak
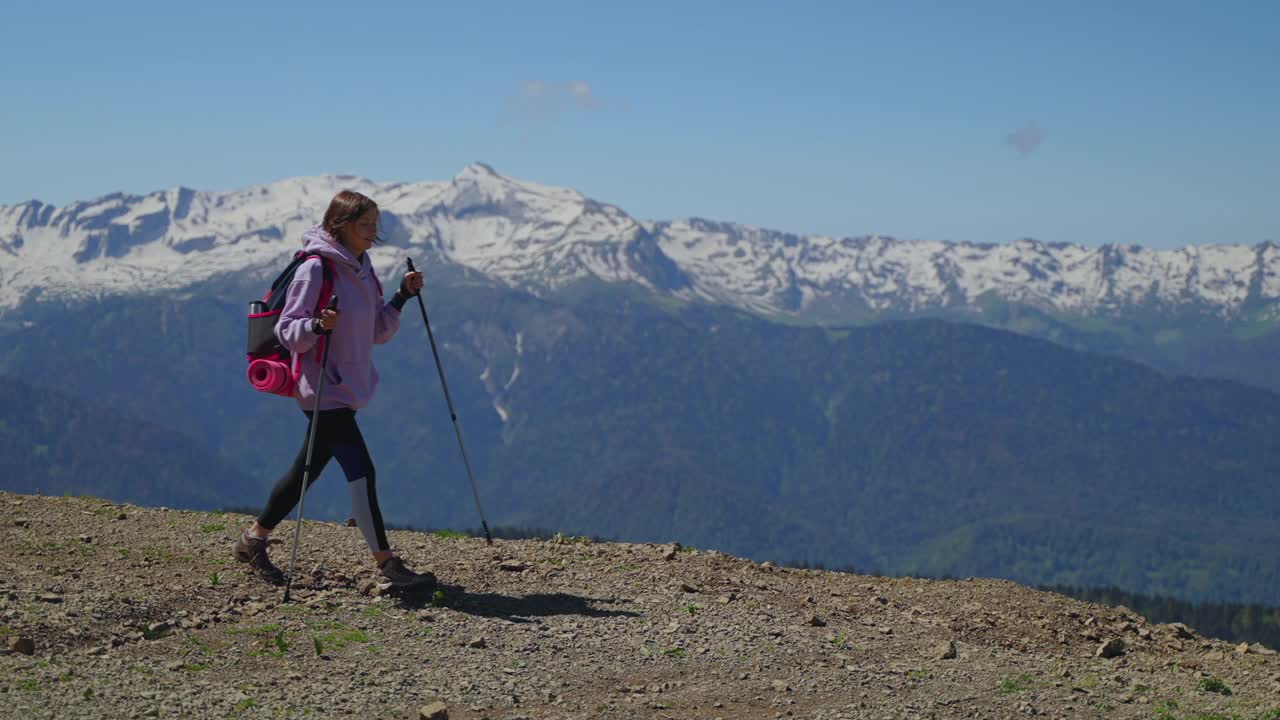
(481, 180)
(478, 171)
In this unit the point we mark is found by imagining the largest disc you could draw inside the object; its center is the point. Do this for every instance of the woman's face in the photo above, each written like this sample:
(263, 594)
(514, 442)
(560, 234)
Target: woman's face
(359, 234)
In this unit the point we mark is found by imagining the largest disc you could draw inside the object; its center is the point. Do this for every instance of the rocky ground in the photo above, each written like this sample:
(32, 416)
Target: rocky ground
(114, 611)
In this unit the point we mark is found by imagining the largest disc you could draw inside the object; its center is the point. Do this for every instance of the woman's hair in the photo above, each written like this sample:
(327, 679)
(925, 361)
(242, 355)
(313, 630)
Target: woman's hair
(345, 207)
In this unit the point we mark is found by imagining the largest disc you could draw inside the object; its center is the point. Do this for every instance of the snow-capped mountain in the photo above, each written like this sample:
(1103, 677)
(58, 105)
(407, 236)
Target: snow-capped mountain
(542, 238)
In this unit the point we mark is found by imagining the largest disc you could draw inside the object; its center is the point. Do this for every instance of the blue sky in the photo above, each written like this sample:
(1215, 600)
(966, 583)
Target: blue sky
(1155, 123)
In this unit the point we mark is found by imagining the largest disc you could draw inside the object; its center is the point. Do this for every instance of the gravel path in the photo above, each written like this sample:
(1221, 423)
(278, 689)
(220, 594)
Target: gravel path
(114, 611)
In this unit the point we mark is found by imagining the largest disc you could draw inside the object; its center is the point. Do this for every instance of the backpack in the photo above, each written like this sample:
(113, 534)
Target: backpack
(272, 369)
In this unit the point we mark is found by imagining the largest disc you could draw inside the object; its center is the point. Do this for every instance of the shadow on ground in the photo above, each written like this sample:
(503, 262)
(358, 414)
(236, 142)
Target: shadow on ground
(517, 608)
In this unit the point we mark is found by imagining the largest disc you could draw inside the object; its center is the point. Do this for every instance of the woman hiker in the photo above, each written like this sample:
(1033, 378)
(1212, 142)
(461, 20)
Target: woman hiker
(349, 229)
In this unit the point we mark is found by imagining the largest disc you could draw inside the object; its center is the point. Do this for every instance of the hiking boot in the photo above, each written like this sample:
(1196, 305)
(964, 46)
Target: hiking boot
(253, 550)
(396, 574)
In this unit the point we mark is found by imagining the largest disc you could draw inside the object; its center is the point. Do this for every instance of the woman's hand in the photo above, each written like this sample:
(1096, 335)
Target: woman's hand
(412, 284)
(327, 321)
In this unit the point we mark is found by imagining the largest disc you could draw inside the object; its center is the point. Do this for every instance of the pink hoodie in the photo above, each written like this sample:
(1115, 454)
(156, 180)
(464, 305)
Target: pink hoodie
(364, 321)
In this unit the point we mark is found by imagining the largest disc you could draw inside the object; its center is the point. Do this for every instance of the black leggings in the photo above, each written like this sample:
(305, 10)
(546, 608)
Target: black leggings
(338, 436)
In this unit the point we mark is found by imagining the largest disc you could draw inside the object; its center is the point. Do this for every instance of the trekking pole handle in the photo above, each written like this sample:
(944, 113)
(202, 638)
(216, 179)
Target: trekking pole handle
(333, 305)
(410, 261)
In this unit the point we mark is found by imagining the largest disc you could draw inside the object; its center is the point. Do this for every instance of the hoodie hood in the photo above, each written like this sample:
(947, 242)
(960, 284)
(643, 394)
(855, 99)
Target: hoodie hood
(318, 240)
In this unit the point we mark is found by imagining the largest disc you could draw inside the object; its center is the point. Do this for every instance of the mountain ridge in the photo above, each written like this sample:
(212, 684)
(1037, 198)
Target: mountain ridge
(542, 238)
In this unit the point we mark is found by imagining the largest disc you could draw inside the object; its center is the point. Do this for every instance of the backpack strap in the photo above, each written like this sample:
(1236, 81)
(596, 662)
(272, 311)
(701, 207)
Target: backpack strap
(326, 294)
(326, 281)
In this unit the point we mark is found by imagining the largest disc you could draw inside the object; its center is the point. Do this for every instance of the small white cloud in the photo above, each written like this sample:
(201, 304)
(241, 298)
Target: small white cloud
(1026, 140)
(539, 102)
(583, 97)
(534, 89)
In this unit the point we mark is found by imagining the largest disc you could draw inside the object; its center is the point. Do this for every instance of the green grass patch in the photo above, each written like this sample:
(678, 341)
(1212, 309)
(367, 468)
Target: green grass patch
(1165, 711)
(1213, 685)
(276, 646)
(338, 640)
(154, 554)
(28, 685)
(281, 645)
(1016, 684)
(454, 534)
(675, 653)
(203, 646)
(60, 548)
(213, 527)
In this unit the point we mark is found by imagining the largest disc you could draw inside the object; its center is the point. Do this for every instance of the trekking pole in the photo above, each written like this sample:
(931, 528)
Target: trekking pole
(456, 429)
(311, 445)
